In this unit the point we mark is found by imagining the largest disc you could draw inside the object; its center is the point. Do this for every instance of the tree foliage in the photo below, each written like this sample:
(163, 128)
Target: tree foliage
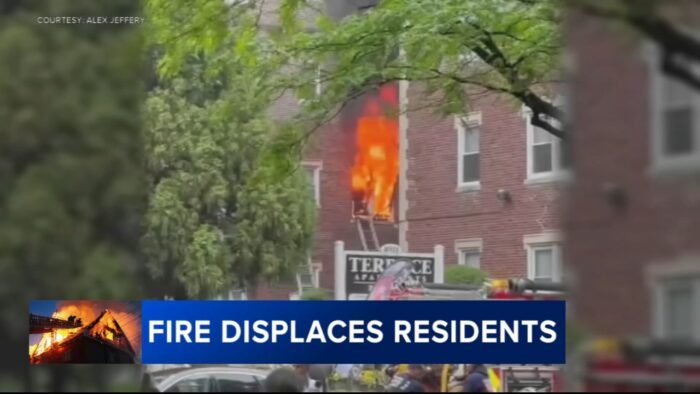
(450, 46)
(72, 189)
(220, 215)
(453, 47)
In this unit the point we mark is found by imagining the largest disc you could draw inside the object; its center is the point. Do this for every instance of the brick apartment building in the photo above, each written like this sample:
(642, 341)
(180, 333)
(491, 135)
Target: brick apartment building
(633, 219)
(485, 185)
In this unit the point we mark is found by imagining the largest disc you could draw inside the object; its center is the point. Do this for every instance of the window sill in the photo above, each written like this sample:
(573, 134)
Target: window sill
(561, 177)
(670, 168)
(468, 187)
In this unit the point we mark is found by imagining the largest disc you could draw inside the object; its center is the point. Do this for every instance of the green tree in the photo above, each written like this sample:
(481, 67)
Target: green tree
(72, 185)
(452, 47)
(229, 206)
(220, 214)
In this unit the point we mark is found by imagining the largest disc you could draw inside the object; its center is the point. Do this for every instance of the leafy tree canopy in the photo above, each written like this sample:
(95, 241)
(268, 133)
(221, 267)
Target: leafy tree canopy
(219, 216)
(451, 46)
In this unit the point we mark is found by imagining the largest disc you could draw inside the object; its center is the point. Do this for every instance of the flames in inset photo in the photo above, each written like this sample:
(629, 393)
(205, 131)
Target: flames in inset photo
(113, 323)
(376, 168)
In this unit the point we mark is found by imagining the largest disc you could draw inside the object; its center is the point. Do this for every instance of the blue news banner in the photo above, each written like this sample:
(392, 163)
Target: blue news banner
(367, 332)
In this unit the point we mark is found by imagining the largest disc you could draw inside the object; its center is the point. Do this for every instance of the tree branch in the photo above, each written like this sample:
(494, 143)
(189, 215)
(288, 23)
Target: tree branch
(491, 54)
(674, 42)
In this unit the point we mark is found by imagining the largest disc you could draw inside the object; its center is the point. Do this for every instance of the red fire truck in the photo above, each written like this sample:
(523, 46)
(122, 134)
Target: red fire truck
(639, 366)
(395, 284)
(601, 365)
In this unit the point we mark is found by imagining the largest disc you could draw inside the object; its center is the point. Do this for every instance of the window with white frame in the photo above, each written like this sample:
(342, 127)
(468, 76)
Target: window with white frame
(676, 122)
(468, 146)
(308, 276)
(547, 155)
(470, 258)
(676, 300)
(544, 257)
(468, 252)
(313, 171)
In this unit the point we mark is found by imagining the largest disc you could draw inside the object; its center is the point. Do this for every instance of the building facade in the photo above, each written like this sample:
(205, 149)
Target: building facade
(633, 217)
(486, 185)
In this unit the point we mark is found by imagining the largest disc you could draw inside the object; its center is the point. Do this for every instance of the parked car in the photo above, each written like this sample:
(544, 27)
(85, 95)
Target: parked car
(200, 379)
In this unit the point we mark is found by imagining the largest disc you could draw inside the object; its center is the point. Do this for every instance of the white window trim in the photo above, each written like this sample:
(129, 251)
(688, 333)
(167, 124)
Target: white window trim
(317, 268)
(557, 174)
(472, 120)
(685, 268)
(553, 239)
(468, 245)
(317, 166)
(662, 164)
(315, 271)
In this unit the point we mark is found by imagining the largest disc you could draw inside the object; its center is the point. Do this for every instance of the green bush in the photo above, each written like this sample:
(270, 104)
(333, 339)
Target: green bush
(463, 275)
(317, 295)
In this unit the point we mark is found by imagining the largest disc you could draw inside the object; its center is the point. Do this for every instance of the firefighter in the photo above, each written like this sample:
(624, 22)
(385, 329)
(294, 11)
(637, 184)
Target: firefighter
(477, 380)
(431, 378)
(409, 382)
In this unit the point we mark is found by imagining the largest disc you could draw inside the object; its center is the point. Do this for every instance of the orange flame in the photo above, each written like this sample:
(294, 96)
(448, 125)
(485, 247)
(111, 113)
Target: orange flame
(376, 168)
(50, 339)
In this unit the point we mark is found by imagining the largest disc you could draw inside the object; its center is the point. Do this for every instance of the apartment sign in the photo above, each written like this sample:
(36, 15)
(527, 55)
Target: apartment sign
(362, 271)
(358, 271)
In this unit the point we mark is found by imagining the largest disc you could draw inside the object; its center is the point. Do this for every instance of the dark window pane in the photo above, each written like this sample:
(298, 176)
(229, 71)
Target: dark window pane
(564, 154)
(196, 385)
(542, 158)
(678, 309)
(236, 383)
(678, 135)
(470, 167)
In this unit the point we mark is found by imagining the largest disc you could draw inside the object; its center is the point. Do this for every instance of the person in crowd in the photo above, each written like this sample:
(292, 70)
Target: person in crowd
(431, 378)
(409, 382)
(391, 370)
(477, 380)
(304, 373)
(283, 380)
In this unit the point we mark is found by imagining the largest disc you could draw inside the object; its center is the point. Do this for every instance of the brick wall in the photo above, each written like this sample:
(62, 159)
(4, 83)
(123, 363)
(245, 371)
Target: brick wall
(439, 214)
(610, 248)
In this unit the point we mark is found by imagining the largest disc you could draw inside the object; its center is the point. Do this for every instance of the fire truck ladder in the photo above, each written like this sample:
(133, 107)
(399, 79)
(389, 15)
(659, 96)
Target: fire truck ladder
(41, 324)
(368, 235)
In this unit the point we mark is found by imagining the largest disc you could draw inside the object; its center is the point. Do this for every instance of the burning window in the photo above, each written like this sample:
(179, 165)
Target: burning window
(376, 168)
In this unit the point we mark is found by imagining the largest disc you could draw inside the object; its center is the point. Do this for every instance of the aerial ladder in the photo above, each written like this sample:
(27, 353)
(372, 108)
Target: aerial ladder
(42, 324)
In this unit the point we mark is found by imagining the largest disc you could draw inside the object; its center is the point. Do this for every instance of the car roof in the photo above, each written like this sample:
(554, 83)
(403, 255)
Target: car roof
(209, 370)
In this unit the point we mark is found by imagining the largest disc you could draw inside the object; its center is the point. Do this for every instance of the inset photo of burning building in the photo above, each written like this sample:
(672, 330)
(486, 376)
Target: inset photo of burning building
(84, 332)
